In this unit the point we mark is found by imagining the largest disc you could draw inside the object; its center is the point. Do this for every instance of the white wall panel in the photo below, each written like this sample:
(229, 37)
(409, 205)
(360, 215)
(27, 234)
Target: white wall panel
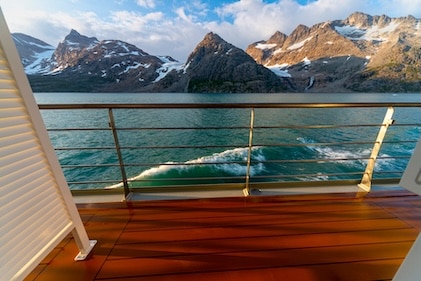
(36, 208)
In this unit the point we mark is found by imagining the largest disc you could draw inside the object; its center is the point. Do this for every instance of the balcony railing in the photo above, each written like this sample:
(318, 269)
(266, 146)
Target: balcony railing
(231, 146)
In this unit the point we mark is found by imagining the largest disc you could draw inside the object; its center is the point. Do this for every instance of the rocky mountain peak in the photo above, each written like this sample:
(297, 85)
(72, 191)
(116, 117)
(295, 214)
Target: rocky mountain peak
(68, 52)
(360, 53)
(218, 66)
(364, 52)
(359, 19)
(215, 42)
(278, 38)
(212, 44)
(261, 50)
(117, 48)
(382, 21)
(362, 20)
(76, 40)
(299, 32)
(114, 64)
(212, 38)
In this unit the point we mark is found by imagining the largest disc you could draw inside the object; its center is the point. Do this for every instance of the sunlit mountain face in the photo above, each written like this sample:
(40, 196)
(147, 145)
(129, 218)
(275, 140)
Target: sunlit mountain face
(361, 53)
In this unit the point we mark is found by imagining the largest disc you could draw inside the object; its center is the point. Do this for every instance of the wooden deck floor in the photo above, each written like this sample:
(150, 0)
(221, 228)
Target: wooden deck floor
(311, 237)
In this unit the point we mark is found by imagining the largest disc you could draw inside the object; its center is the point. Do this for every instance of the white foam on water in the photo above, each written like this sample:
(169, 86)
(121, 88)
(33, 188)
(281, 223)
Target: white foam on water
(216, 162)
(342, 154)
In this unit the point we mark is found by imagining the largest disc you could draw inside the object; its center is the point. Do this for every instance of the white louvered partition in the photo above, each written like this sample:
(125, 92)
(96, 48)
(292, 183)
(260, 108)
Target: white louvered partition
(410, 269)
(36, 207)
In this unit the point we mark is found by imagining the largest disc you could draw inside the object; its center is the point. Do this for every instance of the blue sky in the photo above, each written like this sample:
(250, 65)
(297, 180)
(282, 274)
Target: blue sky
(175, 27)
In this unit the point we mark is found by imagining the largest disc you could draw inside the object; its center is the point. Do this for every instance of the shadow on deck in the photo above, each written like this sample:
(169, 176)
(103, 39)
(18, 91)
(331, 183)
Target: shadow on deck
(300, 237)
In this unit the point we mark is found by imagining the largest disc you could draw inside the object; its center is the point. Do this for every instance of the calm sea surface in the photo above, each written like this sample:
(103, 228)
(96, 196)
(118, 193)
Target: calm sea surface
(227, 145)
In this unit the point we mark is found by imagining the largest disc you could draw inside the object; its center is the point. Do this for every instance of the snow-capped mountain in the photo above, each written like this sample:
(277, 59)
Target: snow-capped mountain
(71, 51)
(114, 65)
(113, 60)
(109, 64)
(35, 54)
(218, 66)
(361, 53)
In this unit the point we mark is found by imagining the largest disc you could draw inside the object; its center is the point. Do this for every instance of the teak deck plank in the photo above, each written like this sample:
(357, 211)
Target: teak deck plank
(361, 271)
(206, 233)
(229, 245)
(310, 237)
(253, 260)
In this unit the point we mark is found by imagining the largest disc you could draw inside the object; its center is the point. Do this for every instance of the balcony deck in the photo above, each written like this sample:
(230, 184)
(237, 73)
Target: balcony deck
(296, 237)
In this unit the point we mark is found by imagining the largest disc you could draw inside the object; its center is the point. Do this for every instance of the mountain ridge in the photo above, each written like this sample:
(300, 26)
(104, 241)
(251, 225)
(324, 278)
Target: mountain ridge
(218, 66)
(383, 54)
(356, 54)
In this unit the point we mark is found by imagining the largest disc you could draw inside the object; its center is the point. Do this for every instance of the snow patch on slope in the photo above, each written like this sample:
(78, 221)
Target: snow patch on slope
(167, 66)
(36, 66)
(262, 46)
(299, 44)
(280, 69)
(306, 61)
(374, 33)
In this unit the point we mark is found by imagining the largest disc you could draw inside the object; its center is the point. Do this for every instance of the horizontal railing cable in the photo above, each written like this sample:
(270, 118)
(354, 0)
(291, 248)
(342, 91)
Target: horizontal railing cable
(229, 105)
(129, 154)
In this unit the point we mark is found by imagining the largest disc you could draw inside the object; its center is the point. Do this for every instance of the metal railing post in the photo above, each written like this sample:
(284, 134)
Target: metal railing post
(246, 189)
(118, 149)
(247, 180)
(365, 185)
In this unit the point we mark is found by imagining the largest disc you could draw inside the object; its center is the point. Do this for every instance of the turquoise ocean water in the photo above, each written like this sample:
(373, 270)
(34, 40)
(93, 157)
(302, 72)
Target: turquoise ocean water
(227, 145)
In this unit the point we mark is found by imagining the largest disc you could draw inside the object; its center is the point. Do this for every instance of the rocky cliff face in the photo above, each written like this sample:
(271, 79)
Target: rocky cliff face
(217, 66)
(360, 53)
(395, 56)
(70, 51)
(124, 66)
(108, 65)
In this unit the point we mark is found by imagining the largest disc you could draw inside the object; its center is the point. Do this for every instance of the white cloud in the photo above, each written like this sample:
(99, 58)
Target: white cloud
(255, 20)
(146, 3)
(248, 21)
(178, 28)
(129, 21)
(182, 14)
